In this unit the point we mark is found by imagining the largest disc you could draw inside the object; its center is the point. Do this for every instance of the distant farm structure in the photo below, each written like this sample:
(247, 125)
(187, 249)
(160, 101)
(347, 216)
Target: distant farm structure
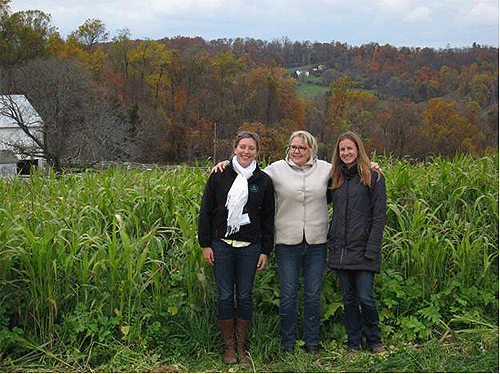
(16, 144)
(305, 71)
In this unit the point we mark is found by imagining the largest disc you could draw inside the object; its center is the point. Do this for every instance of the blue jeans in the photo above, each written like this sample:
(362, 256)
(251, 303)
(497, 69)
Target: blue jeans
(291, 259)
(234, 270)
(360, 308)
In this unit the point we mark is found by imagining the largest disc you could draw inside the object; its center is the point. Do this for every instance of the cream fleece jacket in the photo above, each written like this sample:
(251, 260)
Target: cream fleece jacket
(300, 194)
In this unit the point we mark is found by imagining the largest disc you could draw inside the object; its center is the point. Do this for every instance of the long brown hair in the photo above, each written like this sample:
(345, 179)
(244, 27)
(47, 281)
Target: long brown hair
(363, 162)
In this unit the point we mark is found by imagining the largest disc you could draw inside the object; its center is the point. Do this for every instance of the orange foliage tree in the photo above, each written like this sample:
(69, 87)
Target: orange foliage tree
(447, 130)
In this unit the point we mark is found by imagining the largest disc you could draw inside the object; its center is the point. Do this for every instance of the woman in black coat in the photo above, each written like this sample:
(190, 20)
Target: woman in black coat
(354, 240)
(236, 232)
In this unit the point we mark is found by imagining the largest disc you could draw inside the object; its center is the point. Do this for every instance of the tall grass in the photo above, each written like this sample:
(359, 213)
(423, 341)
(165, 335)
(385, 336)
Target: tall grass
(121, 242)
(440, 246)
(110, 258)
(443, 220)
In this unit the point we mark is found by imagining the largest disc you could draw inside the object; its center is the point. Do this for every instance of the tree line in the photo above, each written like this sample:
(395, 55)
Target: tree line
(182, 99)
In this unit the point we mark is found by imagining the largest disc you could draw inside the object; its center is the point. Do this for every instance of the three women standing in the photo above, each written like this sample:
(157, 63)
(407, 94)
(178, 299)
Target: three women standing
(301, 229)
(236, 232)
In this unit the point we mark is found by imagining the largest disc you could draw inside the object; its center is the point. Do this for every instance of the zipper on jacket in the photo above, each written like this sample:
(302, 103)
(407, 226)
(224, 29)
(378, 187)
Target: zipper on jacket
(347, 181)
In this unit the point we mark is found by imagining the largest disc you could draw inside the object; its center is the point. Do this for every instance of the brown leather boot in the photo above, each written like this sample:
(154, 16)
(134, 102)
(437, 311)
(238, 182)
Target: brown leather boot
(242, 331)
(228, 336)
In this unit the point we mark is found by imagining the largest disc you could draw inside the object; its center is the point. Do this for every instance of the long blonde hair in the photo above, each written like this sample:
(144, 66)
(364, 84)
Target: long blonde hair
(363, 162)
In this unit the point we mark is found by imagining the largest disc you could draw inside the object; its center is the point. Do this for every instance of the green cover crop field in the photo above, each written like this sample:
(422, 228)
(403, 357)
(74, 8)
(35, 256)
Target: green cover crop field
(101, 271)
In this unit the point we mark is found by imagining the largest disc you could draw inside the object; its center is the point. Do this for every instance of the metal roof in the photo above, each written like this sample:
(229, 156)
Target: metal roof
(22, 106)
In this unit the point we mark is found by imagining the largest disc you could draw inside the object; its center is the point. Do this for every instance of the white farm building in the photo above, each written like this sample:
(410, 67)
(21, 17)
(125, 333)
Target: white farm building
(16, 109)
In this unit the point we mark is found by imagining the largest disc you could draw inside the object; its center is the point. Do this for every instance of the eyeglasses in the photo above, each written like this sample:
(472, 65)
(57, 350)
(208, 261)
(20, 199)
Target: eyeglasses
(299, 148)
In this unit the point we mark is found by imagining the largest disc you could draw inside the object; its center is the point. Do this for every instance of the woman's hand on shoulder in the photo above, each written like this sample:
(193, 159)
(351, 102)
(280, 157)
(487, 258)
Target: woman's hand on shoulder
(375, 166)
(220, 166)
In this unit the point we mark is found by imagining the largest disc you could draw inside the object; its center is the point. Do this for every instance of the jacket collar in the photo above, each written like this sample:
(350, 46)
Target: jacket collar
(309, 163)
(349, 172)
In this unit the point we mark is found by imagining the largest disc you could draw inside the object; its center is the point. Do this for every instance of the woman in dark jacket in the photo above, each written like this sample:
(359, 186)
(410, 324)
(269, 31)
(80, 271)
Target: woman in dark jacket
(359, 200)
(236, 232)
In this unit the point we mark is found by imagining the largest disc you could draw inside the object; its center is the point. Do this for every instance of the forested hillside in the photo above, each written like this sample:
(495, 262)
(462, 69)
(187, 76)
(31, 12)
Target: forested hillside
(181, 99)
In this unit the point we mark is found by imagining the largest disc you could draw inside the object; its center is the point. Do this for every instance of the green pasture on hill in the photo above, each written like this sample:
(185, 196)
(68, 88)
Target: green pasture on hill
(101, 271)
(311, 86)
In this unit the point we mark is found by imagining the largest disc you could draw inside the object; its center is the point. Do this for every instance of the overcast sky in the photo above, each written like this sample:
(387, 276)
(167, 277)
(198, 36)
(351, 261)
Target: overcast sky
(413, 23)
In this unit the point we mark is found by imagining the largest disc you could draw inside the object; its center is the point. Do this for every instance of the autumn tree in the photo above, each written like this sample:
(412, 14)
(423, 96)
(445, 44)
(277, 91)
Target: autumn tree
(226, 69)
(271, 97)
(317, 123)
(144, 62)
(350, 107)
(91, 33)
(400, 127)
(361, 108)
(340, 91)
(477, 85)
(447, 130)
(120, 50)
(23, 35)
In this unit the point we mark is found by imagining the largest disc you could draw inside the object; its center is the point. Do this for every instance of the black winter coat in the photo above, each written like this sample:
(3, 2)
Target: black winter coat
(357, 225)
(260, 208)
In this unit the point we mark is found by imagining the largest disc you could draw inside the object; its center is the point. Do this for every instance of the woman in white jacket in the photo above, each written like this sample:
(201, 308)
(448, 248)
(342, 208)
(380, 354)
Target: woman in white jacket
(301, 226)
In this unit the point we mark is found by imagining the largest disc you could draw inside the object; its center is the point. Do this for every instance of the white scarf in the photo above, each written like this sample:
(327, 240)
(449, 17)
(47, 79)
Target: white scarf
(238, 195)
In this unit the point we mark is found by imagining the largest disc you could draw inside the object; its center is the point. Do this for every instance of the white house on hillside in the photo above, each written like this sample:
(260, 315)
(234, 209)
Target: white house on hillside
(14, 108)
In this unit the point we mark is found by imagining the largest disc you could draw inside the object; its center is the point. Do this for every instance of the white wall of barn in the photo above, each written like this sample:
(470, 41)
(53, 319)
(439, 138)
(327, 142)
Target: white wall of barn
(11, 133)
